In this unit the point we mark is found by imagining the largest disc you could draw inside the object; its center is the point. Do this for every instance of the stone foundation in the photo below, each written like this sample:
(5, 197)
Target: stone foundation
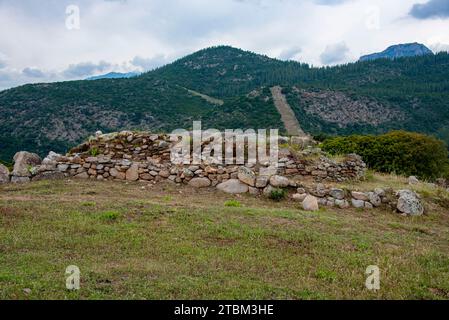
(146, 157)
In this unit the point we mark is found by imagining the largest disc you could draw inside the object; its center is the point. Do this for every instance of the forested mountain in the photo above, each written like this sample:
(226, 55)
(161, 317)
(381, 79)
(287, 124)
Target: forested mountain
(365, 97)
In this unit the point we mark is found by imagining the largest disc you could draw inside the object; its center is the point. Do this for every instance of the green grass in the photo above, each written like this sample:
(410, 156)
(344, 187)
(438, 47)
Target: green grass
(131, 243)
(233, 203)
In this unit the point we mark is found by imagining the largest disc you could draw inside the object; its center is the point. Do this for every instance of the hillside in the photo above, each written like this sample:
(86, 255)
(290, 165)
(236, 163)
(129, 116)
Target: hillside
(230, 88)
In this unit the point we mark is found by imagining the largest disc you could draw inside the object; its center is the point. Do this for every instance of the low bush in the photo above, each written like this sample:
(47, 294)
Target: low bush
(399, 152)
(278, 194)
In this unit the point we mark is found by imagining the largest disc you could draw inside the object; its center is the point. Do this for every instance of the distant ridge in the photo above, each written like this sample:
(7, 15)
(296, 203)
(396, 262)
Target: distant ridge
(114, 75)
(399, 51)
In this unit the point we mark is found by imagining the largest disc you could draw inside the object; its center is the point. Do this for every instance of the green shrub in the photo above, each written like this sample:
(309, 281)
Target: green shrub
(233, 203)
(399, 152)
(94, 152)
(278, 194)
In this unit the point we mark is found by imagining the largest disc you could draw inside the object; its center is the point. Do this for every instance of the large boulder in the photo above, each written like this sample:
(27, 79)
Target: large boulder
(319, 191)
(24, 162)
(299, 197)
(51, 158)
(262, 181)
(16, 179)
(233, 186)
(132, 174)
(409, 203)
(374, 199)
(200, 182)
(247, 176)
(4, 174)
(49, 175)
(358, 203)
(360, 196)
(310, 203)
(279, 182)
(338, 194)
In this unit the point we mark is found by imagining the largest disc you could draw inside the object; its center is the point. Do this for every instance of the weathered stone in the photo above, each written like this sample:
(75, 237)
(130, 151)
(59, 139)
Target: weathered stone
(380, 192)
(4, 174)
(268, 190)
(301, 190)
(253, 191)
(164, 173)
(322, 201)
(310, 203)
(330, 202)
(409, 203)
(132, 174)
(358, 203)
(247, 176)
(412, 180)
(338, 194)
(211, 170)
(23, 162)
(359, 196)
(49, 175)
(194, 168)
(299, 197)
(342, 204)
(269, 171)
(374, 199)
(261, 181)
(279, 182)
(233, 186)
(16, 179)
(200, 182)
(319, 190)
(63, 167)
(368, 205)
(82, 175)
(146, 176)
(113, 172)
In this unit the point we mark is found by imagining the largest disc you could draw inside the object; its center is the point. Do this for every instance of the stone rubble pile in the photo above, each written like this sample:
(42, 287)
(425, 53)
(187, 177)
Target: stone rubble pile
(404, 201)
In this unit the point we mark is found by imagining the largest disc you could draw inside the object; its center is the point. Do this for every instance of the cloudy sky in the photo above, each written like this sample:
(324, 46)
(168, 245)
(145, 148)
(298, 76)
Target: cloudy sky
(53, 40)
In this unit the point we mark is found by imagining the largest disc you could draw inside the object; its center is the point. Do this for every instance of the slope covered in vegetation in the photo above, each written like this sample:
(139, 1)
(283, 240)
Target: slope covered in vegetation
(407, 93)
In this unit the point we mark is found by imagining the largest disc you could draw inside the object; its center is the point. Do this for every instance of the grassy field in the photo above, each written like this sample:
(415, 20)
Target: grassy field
(137, 241)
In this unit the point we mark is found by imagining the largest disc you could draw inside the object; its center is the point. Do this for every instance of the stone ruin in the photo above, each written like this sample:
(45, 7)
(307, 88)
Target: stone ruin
(146, 157)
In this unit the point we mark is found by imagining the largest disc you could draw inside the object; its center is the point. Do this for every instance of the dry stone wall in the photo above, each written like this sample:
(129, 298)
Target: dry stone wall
(146, 157)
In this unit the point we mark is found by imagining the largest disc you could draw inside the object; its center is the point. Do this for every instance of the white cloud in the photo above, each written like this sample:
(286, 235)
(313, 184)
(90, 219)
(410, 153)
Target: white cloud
(33, 73)
(143, 34)
(84, 69)
(335, 53)
(290, 53)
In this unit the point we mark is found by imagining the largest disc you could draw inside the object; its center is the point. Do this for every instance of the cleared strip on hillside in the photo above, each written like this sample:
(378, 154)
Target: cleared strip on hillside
(206, 97)
(287, 115)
